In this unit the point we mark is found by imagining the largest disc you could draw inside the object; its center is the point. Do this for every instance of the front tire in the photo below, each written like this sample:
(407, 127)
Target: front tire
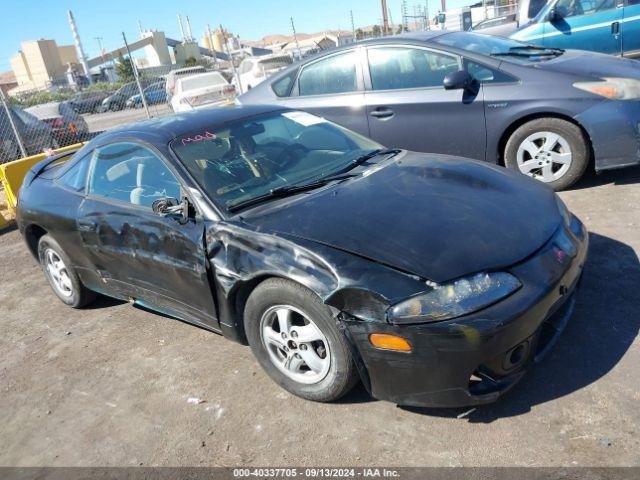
(551, 150)
(294, 338)
(62, 278)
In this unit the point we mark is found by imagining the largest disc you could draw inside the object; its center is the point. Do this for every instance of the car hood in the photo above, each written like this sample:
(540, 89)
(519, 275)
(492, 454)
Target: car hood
(435, 216)
(592, 65)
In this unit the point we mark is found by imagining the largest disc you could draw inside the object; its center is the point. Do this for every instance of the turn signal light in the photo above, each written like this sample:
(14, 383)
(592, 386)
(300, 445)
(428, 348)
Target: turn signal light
(389, 342)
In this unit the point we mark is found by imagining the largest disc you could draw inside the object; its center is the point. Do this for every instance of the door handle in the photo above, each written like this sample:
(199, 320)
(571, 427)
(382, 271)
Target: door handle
(382, 113)
(615, 28)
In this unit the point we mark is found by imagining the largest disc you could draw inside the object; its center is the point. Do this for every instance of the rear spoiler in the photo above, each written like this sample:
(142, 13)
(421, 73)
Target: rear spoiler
(41, 166)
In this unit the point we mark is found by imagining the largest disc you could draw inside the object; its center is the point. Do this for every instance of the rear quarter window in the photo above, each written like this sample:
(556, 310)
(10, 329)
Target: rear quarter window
(282, 86)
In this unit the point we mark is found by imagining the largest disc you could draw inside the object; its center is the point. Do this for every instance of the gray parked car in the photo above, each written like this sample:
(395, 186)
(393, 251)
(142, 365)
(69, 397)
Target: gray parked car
(35, 134)
(545, 112)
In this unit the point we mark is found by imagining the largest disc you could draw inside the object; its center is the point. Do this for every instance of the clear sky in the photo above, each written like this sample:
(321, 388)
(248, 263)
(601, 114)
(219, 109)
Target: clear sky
(251, 19)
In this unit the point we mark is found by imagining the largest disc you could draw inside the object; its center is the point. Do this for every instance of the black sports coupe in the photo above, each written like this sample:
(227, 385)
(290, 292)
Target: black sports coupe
(334, 258)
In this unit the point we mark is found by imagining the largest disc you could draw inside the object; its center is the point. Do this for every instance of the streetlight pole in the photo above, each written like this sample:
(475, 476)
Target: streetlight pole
(135, 74)
(233, 65)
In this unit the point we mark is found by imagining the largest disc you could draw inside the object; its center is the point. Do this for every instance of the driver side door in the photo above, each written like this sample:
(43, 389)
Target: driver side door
(157, 260)
(593, 25)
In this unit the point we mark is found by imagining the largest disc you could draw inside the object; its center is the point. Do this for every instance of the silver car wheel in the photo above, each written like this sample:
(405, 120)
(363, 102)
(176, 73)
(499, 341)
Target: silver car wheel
(545, 156)
(295, 344)
(58, 273)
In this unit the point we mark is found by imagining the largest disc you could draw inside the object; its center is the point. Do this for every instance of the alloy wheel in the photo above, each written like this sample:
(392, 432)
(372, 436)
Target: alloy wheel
(58, 273)
(295, 344)
(545, 156)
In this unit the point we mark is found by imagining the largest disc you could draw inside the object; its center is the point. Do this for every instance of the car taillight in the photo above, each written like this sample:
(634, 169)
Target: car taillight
(57, 122)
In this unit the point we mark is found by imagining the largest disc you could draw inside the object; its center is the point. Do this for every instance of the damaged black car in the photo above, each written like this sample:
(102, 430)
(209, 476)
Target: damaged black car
(434, 280)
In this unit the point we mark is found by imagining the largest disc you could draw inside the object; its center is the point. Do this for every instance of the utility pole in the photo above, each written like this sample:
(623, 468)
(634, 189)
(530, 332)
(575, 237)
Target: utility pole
(135, 74)
(233, 65)
(385, 18)
(353, 27)
(295, 37)
(99, 40)
(426, 13)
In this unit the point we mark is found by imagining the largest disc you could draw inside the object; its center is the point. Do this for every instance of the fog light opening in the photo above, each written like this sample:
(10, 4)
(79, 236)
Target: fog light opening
(517, 355)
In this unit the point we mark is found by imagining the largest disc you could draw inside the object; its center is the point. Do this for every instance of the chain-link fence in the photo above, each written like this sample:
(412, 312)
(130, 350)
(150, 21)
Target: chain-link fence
(34, 122)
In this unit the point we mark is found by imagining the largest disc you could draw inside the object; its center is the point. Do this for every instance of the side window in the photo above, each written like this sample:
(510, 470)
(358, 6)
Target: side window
(282, 87)
(336, 74)
(75, 177)
(534, 7)
(131, 173)
(574, 8)
(485, 74)
(394, 68)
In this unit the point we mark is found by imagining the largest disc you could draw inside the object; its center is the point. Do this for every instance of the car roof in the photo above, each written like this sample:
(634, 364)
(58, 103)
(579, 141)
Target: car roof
(45, 110)
(171, 126)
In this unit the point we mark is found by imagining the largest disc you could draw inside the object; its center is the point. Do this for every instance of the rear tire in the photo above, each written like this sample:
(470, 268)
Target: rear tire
(310, 357)
(551, 150)
(62, 278)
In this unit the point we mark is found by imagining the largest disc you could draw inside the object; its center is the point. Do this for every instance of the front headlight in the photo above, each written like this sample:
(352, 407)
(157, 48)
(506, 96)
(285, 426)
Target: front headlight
(455, 299)
(613, 88)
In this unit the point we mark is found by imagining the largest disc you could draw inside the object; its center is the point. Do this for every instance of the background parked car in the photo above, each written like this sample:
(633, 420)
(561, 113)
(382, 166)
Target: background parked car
(68, 127)
(544, 112)
(36, 135)
(605, 26)
(118, 100)
(252, 71)
(153, 94)
(507, 24)
(88, 102)
(203, 90)
(173, 75)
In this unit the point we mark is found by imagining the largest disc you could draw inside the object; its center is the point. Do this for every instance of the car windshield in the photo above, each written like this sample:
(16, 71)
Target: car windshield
(497, 46)
(255, 156)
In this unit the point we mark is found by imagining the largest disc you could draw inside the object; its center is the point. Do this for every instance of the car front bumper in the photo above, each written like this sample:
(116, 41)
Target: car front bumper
(614, 130)
(474, 359)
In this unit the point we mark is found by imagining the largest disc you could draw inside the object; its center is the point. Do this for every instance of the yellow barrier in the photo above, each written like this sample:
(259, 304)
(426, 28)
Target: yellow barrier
(12, 174)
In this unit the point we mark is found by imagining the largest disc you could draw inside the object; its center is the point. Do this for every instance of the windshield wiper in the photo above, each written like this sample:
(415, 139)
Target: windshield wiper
(536, 47)
(285, 191)
(367, 156)
(529, 51)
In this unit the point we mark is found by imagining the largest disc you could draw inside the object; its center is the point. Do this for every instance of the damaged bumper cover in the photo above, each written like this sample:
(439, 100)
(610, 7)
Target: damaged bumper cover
(474, 359)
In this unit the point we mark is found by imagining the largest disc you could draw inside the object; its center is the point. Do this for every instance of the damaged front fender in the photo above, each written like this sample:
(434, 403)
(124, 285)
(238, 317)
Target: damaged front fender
(240, 257)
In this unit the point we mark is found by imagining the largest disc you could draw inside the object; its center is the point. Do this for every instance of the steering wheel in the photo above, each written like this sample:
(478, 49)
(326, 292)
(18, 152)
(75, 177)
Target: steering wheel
(286, 155)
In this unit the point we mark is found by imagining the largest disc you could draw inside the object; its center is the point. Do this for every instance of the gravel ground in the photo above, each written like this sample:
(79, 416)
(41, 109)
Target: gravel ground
(111, 385)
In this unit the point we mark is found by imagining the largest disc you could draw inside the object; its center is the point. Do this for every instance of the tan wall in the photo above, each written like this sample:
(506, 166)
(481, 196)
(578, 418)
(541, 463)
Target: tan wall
(20, 69)
(43, 60)
(68, 54)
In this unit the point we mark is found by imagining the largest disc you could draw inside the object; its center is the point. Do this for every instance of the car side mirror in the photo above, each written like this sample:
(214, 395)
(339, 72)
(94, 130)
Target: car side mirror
(555, 15)
(169, 206)
(460, 80)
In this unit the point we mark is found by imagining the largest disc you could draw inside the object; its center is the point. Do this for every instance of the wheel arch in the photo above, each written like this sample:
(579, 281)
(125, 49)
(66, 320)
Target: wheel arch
(506, 134)
(32, 235)
(233, 303)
